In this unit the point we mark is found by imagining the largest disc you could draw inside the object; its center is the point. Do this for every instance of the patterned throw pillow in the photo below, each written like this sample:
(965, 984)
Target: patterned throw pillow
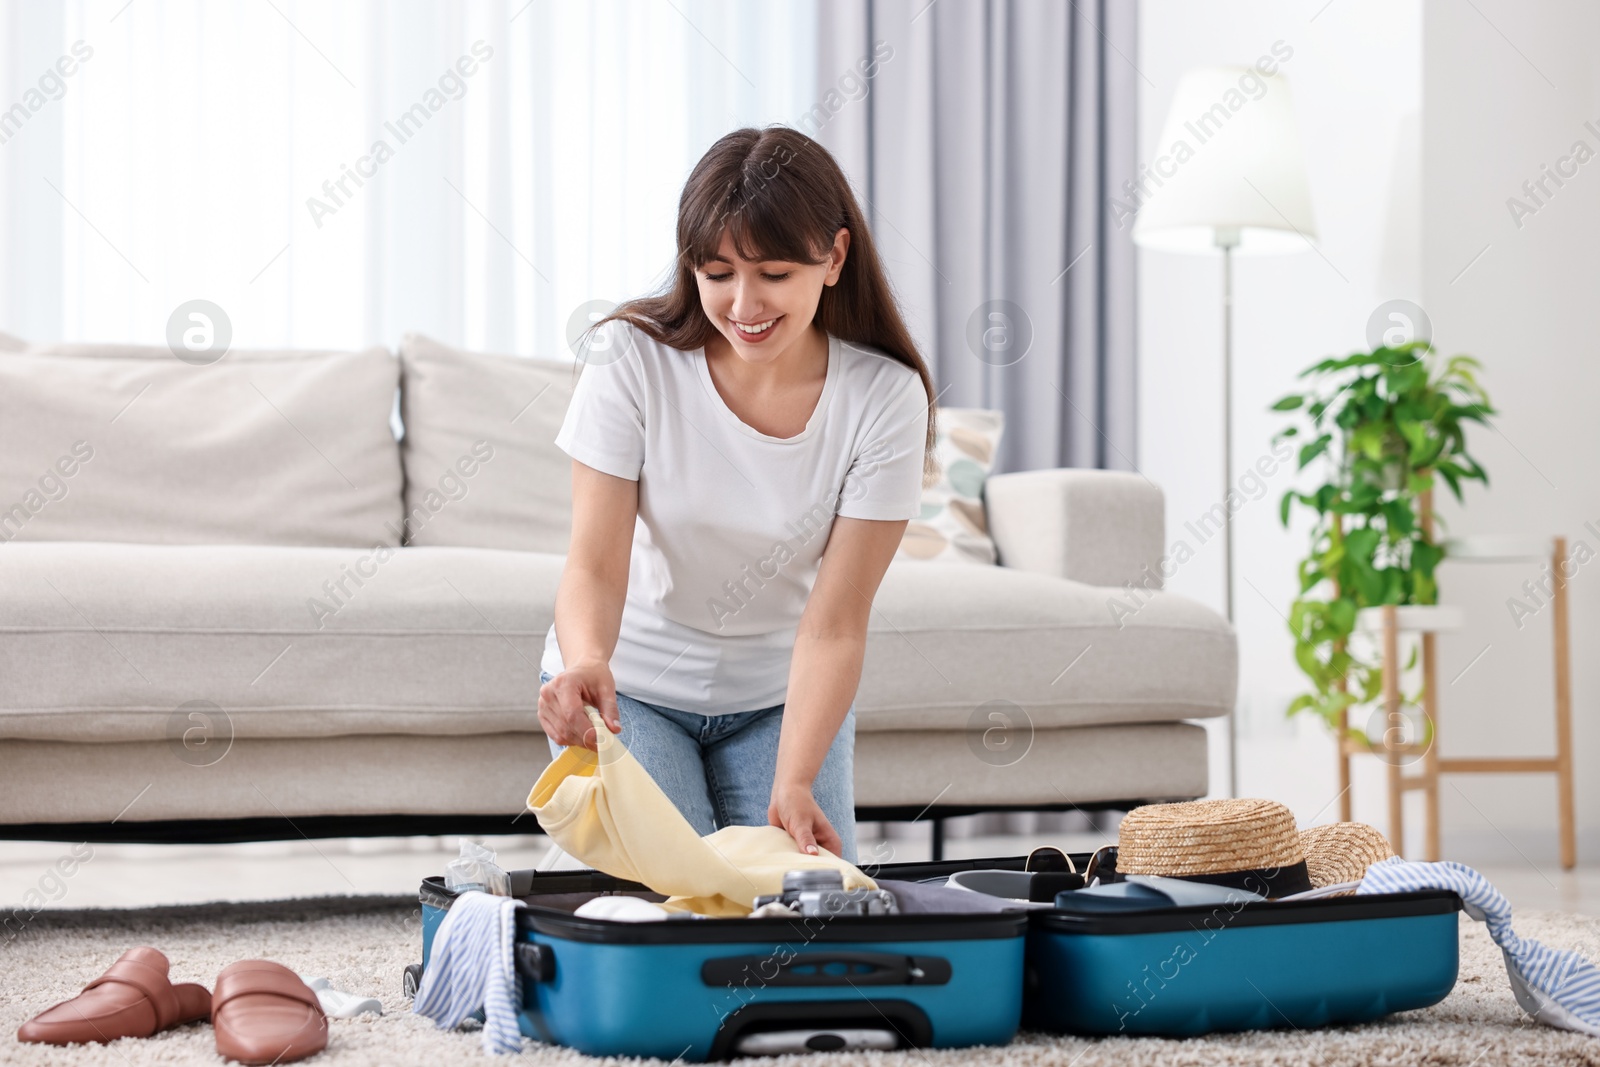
(952, 525)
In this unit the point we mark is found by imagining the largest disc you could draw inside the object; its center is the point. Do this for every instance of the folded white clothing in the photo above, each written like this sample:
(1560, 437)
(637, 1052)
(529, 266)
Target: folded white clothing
(622, 909)
(339, 1004)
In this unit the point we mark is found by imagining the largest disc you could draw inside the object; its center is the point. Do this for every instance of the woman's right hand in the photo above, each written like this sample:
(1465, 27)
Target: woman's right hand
(562, 699)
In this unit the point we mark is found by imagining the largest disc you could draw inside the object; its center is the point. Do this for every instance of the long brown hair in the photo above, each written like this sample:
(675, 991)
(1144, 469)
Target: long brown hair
(780, 195)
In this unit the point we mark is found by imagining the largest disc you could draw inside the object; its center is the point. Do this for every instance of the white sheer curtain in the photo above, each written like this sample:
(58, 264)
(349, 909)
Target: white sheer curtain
(178, 161)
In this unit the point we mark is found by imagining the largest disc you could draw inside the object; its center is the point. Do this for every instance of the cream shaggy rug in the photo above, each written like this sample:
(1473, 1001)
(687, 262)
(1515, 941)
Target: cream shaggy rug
(363, 943)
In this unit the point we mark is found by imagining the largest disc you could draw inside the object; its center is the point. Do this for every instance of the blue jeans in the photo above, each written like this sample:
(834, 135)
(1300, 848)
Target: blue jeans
(718, 769)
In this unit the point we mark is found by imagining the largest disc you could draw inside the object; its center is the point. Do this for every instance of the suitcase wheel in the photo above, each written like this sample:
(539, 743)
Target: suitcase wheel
(411, 980)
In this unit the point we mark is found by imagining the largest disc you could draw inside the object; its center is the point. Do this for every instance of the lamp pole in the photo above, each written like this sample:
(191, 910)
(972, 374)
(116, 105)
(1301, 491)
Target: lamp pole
(1251, 179)
(1227, 239)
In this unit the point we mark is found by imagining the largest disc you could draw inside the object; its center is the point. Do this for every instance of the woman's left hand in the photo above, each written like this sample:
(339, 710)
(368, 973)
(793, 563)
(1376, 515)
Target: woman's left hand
(796, 810)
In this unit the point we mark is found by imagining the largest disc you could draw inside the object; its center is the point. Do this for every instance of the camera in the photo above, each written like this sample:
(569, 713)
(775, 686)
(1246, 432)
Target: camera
(822, 892)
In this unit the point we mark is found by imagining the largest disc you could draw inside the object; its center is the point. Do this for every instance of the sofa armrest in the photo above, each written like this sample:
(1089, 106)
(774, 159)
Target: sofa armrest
(1093, 526)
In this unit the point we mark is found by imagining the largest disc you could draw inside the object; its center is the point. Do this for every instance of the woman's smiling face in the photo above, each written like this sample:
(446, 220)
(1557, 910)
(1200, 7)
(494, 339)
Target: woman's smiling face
(763, 306)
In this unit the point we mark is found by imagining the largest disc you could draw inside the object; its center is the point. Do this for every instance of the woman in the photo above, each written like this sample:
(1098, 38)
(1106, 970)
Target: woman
(747, 449)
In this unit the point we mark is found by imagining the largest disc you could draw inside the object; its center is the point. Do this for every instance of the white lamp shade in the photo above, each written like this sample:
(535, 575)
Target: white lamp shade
(1229, 159)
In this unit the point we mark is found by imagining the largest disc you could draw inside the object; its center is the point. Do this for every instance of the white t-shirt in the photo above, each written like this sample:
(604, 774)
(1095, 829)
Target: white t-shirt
(732, 522)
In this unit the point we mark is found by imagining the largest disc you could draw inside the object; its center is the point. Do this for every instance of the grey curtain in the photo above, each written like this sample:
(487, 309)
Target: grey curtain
(986, 138)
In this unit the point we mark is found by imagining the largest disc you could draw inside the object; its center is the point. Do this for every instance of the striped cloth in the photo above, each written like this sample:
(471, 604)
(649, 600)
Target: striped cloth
(471, 967)
(1556, 987)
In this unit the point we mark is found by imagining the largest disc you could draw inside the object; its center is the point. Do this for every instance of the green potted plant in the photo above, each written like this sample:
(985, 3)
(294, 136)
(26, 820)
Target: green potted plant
(1386, 424)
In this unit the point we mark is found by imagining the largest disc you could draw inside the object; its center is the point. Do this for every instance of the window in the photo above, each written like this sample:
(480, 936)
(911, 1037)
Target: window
(335, 174)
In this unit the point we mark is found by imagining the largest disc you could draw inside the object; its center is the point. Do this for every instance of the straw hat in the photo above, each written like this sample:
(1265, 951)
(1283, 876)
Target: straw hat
(1248, 843)
(1342, 851)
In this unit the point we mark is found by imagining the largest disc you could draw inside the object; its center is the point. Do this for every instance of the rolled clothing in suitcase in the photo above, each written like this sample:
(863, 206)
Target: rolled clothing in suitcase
(946, 972)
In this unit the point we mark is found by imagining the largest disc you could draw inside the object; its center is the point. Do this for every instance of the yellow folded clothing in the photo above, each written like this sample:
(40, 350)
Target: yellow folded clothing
(603, 807)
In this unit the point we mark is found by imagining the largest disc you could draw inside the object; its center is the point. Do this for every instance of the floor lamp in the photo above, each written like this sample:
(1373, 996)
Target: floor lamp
(1229, 176)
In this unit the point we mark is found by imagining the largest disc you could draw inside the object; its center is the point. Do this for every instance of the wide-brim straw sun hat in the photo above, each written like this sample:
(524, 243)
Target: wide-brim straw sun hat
(1342, 851)
(1247, 843)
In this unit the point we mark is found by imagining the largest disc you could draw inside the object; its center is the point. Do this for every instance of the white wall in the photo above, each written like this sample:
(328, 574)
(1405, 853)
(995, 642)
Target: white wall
(1420, 119)
(1509, 85)
(1355, 75)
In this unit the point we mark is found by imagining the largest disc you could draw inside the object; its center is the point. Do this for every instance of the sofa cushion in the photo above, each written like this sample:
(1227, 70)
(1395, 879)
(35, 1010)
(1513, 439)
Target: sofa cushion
(1150, 761)
(460, 406)
(950, 647)
(127, 443)
(279, 778)
(952, 527)
(114, 642)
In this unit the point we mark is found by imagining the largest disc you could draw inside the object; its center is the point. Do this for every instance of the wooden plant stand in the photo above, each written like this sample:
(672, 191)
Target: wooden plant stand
(1429, 622)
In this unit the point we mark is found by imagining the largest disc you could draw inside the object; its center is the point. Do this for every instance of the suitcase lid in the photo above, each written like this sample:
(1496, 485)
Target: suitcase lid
(557, 922)
(1252, 913)
(528, 883)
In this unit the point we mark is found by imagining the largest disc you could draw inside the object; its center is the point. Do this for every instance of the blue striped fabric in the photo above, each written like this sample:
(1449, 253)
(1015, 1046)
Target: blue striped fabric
(471, 967)
(1556, 987)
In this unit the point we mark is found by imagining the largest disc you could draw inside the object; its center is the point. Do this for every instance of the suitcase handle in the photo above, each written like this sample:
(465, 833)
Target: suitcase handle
(908, 1020)
(535, 961)
(827, 968)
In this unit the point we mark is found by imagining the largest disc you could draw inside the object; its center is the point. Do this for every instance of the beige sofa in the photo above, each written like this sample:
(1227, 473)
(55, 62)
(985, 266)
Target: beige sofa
(209, 628)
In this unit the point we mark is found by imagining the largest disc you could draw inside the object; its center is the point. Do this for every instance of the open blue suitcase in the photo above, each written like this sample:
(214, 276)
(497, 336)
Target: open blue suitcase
(1182, 971)
(696, 989)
